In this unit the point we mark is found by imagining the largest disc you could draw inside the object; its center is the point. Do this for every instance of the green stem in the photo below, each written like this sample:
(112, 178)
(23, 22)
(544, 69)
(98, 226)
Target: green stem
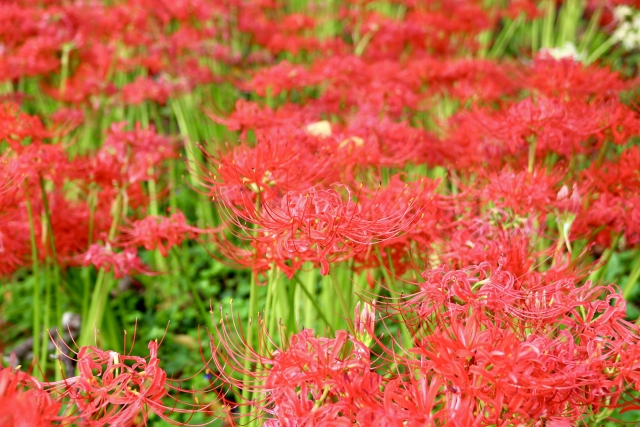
(547, 25)
(246, 393)
(605, 258)
(341, 298)
(64, 62)
(204, 211)
(535, 35)
(591, 30)
(101, 289)
(44, 350)
(313, 301)
(192, 288)
(505, 37)
(53, 260)
(602, 153)
(532, 154)
(634, 275)
(153, 210)
(37, 290)
(601, 50)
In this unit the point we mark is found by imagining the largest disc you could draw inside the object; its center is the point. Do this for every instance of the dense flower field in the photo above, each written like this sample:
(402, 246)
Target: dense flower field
(319, 213)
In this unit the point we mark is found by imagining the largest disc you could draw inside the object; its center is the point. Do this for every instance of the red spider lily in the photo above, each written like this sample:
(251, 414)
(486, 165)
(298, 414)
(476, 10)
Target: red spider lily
(283, 35)
(555, 126)
(9, 181)
(488, 348)
(612, 205)
(65, 120)
(162, 233)
(260, 256)
(126, 159)
(43, 161)
(14, 226)
(123, 263)
(116, 389)
(481, 239)
(15, 126)
(368, 141)
(281, 77)
(138, 149)
(494, 340)
(70, 226)
(433, 218)
(545, 125)
(476, 80)
(618, 176)
(251, 116)
(321, 224)
(309, 381)
(427, 28)
(522, 191)
(527, 7)
(37, 55)
(25, 403)
(15, 250)
(566, 77)
(284, 159)
(156, 90)
(364, 321)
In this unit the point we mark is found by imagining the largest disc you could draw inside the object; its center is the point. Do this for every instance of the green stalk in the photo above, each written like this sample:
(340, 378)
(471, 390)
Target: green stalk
(56, 269)
(308, 287)
(601, 50)
(308, 312)
(101, 289)
(573, 11)
(505, 37)
(547, 24)
(269, 318)
(192, 288)
(64, 62)
(634, 275)
(535, 35)
(591, 30)
(341, 298)
(532, 154)
(37, 290)
(85, 272)
(44, 349)
(606, 257)
(602, 153)
(246, 394)
(205, 216)
(389, 278)
(153, 210)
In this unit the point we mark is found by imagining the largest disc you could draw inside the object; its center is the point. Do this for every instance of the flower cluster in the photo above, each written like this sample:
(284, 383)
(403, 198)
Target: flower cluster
(484, 347)
(438, 196)
(110, 389)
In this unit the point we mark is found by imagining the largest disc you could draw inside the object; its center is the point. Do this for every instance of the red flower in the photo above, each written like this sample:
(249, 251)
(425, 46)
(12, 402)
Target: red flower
(114, 389)
(123, 263)
(284, 159)
(25, 403)
(310, 381)
(569, 78)
(15, 126)
(162, 233)
(321, 224)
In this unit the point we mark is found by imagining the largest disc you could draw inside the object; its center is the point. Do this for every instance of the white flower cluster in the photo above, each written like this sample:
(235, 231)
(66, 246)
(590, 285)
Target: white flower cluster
(628, 27)
(567, 50)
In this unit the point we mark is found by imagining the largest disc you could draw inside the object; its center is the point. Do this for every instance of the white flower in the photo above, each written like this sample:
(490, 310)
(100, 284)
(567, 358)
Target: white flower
(627, 31)
(567, 50)
(622, 12)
